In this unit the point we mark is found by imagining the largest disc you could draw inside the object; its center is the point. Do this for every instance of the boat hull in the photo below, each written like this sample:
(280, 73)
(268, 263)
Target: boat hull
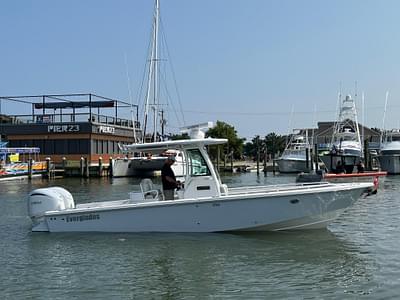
(254, 212)
(291, 165)
(390, 163)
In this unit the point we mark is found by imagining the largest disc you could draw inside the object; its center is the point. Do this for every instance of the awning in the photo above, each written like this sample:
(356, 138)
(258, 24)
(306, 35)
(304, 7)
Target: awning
(74, 104)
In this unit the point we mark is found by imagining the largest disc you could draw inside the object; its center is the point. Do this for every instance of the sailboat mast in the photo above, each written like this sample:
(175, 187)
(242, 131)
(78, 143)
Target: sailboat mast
(151, 71)
(156, 90)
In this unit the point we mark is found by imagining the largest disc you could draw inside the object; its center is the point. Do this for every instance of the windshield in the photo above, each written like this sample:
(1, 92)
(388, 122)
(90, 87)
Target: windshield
(197, 163)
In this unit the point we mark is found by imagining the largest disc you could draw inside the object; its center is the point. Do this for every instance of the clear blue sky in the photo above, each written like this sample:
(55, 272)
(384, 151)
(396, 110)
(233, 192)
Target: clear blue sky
(248, 63)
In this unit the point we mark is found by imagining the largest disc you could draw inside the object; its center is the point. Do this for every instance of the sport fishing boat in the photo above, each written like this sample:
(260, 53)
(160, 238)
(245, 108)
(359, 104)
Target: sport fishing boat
(294, 158)
(203, 204)
(346, 148)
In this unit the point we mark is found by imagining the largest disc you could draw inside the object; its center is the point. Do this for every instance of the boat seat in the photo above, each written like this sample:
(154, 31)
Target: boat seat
(148, 189)
(223, 189)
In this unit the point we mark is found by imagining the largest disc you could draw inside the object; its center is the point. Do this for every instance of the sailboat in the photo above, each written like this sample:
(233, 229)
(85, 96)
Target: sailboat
(142, 164)
(346, 147)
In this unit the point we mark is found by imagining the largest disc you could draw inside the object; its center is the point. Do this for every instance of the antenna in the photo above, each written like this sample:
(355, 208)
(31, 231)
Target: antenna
(290, 124)
(363, 118)
(355, 90)
(384, 115)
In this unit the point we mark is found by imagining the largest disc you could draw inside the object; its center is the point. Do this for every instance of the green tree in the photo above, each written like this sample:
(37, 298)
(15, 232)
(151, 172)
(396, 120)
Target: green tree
(226, 131)
(274, 143)
(182, 136)
(249, 149)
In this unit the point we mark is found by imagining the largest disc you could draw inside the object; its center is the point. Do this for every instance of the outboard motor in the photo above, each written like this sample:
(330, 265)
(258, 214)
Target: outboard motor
(49, 199)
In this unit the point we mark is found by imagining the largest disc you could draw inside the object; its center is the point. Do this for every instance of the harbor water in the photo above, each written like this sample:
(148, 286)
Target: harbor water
(357, 257)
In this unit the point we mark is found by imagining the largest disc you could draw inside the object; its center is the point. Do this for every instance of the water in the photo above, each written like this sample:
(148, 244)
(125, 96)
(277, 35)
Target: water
(358, 256)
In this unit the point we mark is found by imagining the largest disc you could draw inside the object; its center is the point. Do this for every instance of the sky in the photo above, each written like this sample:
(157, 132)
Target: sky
(259, 65)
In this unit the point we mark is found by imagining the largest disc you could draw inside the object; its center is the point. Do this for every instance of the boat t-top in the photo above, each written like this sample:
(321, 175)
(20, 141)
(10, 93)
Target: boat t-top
(204, 204)
(346, 146)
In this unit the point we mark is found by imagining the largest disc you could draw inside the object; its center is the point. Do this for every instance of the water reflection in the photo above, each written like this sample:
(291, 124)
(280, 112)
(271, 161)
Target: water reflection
(198, 265)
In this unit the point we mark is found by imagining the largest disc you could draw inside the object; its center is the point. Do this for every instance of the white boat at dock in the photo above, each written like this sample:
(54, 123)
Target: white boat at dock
(294, 157)
(204, 204)
(389, 155)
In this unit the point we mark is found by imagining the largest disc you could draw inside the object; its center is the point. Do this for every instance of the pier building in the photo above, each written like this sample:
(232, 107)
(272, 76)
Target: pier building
(70, 126)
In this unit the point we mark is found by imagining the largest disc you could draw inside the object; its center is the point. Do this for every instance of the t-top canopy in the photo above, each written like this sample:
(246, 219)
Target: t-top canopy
(158, 147)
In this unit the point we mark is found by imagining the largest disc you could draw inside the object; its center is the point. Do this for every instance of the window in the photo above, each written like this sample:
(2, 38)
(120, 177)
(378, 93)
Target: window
(197, 163)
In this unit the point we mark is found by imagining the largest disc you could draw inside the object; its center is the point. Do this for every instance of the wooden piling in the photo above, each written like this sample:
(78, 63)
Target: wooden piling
(273, 164)
(48, 167)
(367, 158)
(316, 157)
(30, 168)
(258, 155)
(110, 167)
(82, 166)
(231, 161)
(64, 163)
(100, 166)
(265, 161)
(86, 168)
(307, 160)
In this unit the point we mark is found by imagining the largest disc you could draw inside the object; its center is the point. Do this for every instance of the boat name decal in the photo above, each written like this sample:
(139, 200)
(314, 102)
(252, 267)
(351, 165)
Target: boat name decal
(63, 128)
(82, 218)
(106, 129)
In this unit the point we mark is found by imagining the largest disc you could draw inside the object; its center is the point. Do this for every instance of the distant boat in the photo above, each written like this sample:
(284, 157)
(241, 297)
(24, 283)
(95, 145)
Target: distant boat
(346, 147)
(294, 157)
(389, 156)
(15, 161)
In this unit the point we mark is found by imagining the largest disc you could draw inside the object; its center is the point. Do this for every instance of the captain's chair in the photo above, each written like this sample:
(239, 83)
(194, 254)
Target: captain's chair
(148, 189)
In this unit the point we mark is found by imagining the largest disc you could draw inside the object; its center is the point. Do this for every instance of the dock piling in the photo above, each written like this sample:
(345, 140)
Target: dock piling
(30, 168)
(100, 166)
(86, 168)
(48, 167)
(82, 166)
(110, 167)
(265, 161)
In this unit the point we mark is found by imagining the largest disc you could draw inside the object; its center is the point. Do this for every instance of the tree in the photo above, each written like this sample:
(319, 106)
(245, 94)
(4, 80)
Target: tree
(275, 143)
(234, 145)
(182, 136)
(272, 142)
